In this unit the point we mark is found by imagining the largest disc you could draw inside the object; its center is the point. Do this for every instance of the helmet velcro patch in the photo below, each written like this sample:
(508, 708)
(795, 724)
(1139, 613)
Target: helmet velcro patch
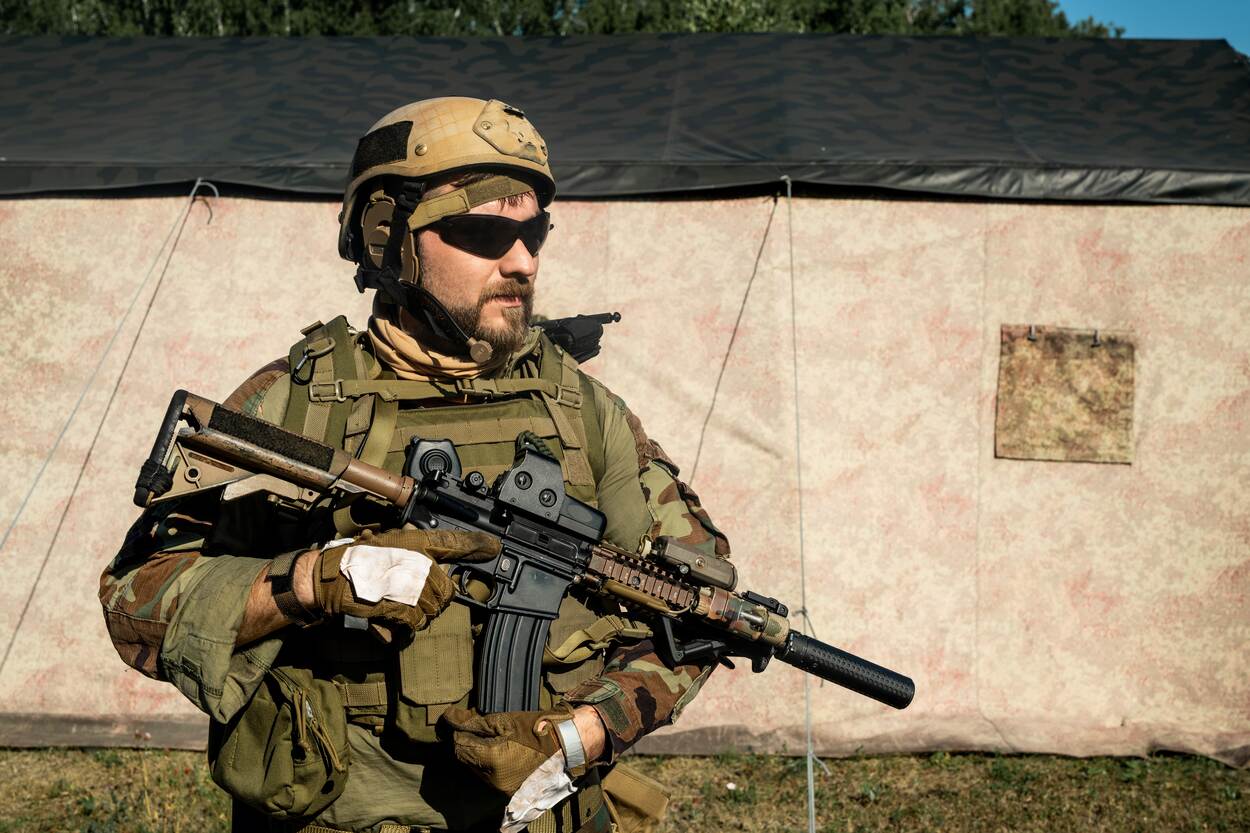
(382, 147)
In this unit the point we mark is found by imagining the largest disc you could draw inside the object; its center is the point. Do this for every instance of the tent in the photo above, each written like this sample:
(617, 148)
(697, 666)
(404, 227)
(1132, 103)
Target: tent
(947, 334)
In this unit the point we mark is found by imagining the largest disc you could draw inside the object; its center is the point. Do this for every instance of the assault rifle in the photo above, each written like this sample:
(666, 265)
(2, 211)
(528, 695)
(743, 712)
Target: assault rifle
(551, 543)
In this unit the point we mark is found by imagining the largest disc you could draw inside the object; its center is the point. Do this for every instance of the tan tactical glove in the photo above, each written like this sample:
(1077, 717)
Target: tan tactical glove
(503, 749)
(393, 579)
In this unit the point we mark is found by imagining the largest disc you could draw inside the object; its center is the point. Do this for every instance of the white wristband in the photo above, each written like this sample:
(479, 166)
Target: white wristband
(571, 740)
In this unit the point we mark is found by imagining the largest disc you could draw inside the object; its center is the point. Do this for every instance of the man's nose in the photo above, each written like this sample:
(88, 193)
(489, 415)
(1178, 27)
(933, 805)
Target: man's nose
(518, 263)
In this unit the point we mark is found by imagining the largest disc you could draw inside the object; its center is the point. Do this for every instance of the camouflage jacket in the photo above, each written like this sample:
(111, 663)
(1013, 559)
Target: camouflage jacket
(171, 563)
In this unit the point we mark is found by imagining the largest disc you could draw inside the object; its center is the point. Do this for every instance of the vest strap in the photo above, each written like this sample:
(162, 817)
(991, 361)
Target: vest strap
(594, 431)
(363, 695)
(509, 387)
(582, 644)
(378, 440)
(559, 370)
(342, 389)
(462, 432)
(329, 349)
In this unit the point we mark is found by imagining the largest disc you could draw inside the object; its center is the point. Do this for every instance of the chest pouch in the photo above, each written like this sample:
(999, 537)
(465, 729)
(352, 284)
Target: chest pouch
(435, 672)
(637, 803)
(286, 753)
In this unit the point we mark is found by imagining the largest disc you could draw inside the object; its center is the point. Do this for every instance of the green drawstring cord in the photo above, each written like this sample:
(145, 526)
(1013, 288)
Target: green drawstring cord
(323, 738)
(305, 723)
(302, 711)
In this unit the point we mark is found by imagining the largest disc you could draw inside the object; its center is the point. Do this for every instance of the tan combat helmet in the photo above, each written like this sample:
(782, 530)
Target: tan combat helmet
(438, 137)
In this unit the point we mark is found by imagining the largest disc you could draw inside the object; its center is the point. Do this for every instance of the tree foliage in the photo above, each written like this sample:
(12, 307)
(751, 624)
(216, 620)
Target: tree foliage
(541, 17)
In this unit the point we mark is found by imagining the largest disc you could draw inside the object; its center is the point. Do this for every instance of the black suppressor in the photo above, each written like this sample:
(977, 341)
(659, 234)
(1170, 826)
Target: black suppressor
(847, 670)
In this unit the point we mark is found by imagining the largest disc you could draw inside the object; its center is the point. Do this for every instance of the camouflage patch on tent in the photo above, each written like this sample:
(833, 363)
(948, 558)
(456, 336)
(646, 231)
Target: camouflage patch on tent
(1065, 394)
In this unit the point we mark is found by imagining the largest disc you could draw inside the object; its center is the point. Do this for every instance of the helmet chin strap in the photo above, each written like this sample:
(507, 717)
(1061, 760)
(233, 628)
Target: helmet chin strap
(448, 336)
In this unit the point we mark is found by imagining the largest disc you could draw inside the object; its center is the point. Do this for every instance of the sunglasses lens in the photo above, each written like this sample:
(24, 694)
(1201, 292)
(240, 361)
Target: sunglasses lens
(534, 232)
(481, 236)
(491, 237)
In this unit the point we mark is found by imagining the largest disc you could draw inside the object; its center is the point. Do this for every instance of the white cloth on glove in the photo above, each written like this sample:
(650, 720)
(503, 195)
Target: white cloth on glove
(546, 787)
(378, 573)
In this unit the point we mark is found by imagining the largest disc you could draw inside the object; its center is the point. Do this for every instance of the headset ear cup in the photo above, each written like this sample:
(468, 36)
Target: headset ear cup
(375, 226)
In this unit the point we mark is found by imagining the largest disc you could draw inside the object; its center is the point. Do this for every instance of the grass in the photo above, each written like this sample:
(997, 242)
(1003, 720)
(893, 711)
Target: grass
(109, 791)
(155, 791)
(945, 792)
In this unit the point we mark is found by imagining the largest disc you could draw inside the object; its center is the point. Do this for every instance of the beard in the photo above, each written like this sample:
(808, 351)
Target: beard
(504, 336)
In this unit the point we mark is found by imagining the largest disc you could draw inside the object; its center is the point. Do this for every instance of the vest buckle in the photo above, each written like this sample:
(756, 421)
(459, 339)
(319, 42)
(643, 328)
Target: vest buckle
(333, 394)
(568, 396)
(469, 387)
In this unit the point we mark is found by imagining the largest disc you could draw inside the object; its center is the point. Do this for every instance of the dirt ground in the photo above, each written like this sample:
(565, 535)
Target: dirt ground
(156, 791)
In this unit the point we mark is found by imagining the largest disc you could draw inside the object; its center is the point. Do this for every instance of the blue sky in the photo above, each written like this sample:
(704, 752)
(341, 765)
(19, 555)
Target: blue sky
(1229, 19)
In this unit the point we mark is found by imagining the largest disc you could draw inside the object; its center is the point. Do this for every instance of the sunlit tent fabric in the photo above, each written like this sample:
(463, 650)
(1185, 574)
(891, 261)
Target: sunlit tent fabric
(1080, 119)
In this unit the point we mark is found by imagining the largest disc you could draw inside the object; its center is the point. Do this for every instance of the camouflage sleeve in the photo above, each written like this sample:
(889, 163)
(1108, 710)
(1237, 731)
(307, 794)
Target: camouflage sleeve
(639, 489)
(639, 492)
(172, 611)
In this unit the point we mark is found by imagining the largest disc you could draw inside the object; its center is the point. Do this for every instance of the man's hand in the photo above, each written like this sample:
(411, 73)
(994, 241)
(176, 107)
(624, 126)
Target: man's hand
(321, 586)
(504, 749)
(393, 579)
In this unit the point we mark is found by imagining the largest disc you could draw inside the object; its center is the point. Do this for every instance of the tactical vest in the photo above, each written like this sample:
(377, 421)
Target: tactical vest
(340, 395)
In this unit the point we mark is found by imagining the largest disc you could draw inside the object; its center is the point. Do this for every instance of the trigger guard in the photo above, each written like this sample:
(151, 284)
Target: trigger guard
(461, 575)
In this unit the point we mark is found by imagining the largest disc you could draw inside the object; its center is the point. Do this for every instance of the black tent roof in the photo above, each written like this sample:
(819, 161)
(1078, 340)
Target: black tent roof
(1084, 119)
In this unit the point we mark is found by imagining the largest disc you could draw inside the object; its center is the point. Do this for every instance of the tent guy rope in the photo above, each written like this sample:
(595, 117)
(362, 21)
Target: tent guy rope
(733, 336)
(175, 232)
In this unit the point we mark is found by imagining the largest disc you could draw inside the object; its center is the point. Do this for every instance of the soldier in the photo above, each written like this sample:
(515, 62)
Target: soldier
(319, 726)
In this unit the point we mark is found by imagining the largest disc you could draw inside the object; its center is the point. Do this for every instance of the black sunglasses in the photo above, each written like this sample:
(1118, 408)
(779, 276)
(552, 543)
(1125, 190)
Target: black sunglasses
(491, 236)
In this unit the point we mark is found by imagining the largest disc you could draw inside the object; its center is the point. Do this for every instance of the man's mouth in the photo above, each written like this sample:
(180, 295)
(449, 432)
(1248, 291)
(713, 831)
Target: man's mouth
(507, 300)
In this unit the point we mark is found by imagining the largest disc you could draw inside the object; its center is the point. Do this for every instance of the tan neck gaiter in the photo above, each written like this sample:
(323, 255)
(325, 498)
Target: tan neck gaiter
(397, 342)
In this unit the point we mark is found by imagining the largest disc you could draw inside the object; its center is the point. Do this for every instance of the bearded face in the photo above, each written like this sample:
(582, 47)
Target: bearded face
(510, 305)
(491, 299)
